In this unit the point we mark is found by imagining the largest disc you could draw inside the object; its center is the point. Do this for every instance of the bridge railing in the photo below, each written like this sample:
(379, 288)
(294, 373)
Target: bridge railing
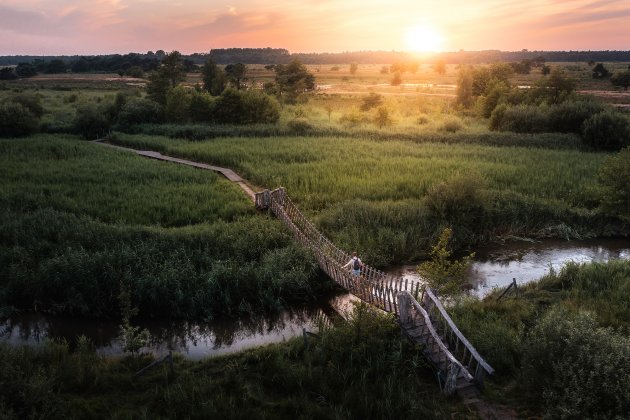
(459, 346)
(383, 291)
(435, 350)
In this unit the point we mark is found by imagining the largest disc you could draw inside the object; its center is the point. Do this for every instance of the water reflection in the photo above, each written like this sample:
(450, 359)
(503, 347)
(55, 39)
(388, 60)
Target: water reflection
(193, 340)
(496, 266)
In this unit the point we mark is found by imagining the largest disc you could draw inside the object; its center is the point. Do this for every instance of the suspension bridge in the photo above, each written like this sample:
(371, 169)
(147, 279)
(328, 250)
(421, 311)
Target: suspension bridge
(459, 367)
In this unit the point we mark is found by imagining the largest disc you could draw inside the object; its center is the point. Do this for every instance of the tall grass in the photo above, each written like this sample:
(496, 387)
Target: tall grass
(77, 219)
(370, 194)
(363, 369)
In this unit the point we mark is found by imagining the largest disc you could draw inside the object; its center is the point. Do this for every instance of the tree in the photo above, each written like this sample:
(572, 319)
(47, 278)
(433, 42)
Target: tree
(56, 66)
(382, 117)
(621, 79)
(440, 66)
(443, 273)
(26, 70)
(172, 68)
(293, 80)
(135, 71)
(555, 88)
(465, 87)
(177, 105)
(167, 76)
(7, 73)
(353, 68)
(396, 79)
(600, 72)
(214, 79)
(236, 74)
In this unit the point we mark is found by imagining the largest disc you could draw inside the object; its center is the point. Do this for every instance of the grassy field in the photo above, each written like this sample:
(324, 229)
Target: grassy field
(371, 195)
(79, 219)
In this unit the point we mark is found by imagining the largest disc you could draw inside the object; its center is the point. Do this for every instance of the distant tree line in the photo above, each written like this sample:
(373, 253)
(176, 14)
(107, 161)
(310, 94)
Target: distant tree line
(150, 60)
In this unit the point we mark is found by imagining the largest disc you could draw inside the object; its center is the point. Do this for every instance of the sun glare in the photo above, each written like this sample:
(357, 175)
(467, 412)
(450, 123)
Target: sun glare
(423, 38)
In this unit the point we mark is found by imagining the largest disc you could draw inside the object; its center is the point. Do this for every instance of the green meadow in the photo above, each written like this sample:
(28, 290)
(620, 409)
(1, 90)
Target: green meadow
(372, 195)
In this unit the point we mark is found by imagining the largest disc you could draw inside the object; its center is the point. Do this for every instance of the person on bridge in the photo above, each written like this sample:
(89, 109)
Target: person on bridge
(355, 265)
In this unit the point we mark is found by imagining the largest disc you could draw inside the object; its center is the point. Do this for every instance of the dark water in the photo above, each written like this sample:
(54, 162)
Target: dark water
(496, 266)
(493, 267)
(193, 340)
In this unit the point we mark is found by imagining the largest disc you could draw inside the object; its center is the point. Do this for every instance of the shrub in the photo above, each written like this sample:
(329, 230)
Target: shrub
(569, 116)
(422, 119)
(300, 125)
(201, 107)
(260, 108)
(396, 79)
(577, 369)
(371, 101)
(139, 111)
(459, 201)
(16, 120)
(451, 125)
(177, 105)
(91, 121)
(382, 117)
(607, 130)
(520, 119)
(352, 118)
(30, 101)
(245, 107)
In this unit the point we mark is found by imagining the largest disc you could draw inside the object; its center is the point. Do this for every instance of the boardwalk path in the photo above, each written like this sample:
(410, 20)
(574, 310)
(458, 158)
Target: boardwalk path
(459, 367)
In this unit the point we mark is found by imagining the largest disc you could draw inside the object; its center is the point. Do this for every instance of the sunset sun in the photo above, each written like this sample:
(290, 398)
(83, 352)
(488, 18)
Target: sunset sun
(423, 38)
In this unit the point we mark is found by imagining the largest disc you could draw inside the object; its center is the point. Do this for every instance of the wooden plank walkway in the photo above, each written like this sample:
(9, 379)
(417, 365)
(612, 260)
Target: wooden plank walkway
(422, 316)
(228, 173)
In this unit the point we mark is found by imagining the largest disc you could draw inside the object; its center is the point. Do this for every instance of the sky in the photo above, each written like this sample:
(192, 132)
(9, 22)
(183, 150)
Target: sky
(68, 27)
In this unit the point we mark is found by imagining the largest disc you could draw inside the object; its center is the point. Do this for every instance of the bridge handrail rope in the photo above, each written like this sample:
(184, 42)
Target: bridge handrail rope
(382, 291)
(406, 316)
(454, 336)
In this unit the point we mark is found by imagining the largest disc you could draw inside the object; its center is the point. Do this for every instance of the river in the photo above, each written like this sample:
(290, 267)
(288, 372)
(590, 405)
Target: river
(493, 267)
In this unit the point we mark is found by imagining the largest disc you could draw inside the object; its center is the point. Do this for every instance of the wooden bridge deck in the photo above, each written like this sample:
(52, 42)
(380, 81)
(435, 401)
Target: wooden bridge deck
(422, 316)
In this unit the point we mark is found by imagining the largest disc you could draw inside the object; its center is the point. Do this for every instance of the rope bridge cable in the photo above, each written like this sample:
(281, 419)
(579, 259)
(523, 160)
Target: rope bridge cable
(422, 316)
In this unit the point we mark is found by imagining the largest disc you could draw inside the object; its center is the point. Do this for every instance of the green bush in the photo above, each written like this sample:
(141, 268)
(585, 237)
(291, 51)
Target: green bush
(30, 101)
(92, 121)
(300, 125)
(451, 125)
(16, 120)
(520, 119)
(177, 105)
(459, 201)
(577, 369)
(245, 107)
(139, 111)
(608, 130)
(201, 107)
(569, 116)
